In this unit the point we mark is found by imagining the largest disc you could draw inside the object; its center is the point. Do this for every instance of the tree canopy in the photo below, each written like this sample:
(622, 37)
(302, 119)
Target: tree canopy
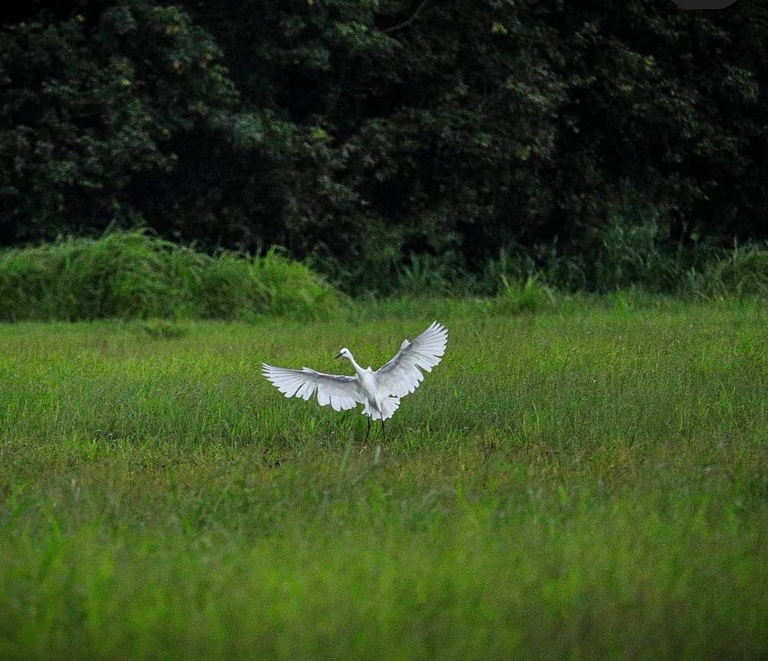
(363, 131)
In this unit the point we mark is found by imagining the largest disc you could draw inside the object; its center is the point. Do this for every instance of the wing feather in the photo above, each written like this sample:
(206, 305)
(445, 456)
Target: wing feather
(403, 374)
(341, 392)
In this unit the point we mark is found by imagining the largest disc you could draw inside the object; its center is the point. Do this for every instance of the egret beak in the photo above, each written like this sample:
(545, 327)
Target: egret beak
(339, 356)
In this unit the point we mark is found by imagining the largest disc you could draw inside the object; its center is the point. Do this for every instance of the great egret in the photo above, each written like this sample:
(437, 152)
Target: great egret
(378, 391)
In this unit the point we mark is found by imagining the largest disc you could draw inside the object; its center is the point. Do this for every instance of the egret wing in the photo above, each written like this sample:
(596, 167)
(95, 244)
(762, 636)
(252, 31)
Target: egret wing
(341, 392)
(404, 373)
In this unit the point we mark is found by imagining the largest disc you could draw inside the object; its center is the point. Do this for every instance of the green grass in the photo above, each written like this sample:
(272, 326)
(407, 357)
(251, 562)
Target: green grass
(129, 275)
(587, 482)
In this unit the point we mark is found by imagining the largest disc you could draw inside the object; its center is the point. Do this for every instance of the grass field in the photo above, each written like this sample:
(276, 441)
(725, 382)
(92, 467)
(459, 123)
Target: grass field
(582, 483)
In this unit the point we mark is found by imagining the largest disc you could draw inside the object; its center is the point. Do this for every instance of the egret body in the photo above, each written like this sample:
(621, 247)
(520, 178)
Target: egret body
(379, 391)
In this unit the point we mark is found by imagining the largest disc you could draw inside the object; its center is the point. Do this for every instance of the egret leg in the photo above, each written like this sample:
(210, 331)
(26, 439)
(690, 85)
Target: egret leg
(367, 431)
(383, 431)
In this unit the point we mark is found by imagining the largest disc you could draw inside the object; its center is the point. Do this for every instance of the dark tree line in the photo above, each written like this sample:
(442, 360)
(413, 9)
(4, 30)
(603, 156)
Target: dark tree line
(361, 131)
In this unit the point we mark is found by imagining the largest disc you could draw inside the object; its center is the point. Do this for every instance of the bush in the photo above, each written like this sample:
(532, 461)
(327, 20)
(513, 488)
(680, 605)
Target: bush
(137, 275)
(293, 289)
(529, 296)
(741, 273)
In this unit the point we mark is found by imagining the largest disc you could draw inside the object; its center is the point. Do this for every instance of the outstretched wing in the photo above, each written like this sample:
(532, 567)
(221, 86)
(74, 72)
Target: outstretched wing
(341, 392)
(403, 374)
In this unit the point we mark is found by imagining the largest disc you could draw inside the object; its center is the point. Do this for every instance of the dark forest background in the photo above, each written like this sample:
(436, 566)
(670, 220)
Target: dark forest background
(372, 135)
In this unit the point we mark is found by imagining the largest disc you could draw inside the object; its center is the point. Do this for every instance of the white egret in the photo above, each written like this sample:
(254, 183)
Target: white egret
(378, 391)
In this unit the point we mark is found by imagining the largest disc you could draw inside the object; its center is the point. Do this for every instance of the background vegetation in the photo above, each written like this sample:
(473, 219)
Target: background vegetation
(130, 275)
(377, 136)
(135, 275)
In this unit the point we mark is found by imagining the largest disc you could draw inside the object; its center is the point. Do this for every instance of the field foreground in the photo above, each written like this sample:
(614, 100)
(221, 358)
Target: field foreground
(582, 484)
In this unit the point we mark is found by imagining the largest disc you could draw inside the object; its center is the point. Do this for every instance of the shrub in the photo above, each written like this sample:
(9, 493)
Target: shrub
(137, 275)
(741, 273)
(529, 296)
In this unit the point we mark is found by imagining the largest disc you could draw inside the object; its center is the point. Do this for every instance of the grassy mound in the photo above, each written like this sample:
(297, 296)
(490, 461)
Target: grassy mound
(137, 275)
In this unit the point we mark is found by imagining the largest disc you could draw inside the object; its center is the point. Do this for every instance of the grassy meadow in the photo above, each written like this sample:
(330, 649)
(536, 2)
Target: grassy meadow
(584, 482)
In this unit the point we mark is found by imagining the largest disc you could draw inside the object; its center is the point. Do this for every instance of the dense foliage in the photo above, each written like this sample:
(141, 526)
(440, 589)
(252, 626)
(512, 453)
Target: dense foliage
(363, 132)
(137, 275)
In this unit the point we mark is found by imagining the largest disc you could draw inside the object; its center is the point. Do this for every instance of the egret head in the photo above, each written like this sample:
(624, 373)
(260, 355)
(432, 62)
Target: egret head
(344, 353)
